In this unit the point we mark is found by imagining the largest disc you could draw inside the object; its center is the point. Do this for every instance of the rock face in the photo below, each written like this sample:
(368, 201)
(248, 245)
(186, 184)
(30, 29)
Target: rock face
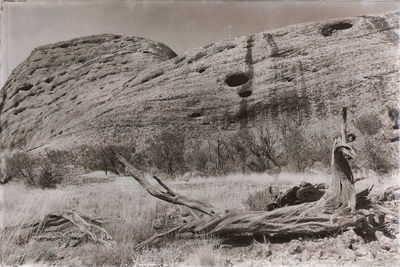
(115, 89)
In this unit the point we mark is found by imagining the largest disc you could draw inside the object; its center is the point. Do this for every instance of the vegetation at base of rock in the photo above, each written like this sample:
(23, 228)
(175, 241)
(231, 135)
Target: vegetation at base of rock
(37, 171)
(269, 147)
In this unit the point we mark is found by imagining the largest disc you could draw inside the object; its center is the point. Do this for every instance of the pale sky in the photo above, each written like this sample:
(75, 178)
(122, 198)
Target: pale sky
(180, 25)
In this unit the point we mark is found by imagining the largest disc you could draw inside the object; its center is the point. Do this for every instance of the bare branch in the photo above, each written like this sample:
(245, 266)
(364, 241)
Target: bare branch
(164, 185)
(169, 196)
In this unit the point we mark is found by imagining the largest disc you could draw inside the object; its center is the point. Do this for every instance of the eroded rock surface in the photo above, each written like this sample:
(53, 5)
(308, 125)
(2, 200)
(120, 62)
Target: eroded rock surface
(122, 89)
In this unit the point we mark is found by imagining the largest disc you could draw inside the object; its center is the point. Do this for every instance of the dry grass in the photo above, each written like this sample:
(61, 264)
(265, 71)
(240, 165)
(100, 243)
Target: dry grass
(131, 214)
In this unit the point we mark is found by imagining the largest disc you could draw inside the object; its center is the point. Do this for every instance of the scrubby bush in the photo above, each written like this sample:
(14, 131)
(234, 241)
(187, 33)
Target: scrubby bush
(368, 124)
(210, 157)
(222, 155)
(297, 150)
(259, 200)
(262, 143)
(376, 152)
(48, 178)
(21, 165)
(166, 151)
(377, 155)
(239, 144)
(320, 146)
(197, 156)
(37, 171)
(103, 158)
(4, 177)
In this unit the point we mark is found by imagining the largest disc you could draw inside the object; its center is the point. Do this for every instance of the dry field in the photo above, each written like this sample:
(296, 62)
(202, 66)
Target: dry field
(132, 215)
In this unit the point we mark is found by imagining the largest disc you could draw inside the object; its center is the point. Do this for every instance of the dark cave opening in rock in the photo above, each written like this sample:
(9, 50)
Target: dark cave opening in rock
(196, 114)
(245, 93)
(25, 87)
(49, 80)
(236, 79)
(201, 70)
(327, 30)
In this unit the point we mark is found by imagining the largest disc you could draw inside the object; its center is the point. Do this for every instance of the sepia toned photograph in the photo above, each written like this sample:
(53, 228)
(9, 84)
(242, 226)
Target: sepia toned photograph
(199, 133)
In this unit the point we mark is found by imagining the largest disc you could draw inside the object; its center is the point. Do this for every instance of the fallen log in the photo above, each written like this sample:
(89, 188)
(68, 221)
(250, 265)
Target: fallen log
(335, 211)
(67, 227)
(307, 192)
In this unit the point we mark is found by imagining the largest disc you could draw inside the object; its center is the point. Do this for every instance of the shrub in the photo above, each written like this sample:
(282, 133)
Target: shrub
(103, 158)
(368, 124)
(378, 156)
(4, 177)
(259, 200)
(197, 156)
(43, 172)
(320, 148)
(239, 143)
(223, 155)
(166, 151)
(48, 177)
(296, 147)
(262, 143)
(22, 165)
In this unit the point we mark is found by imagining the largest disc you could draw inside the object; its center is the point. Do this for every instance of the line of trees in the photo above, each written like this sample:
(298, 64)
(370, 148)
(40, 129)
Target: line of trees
(256, 149)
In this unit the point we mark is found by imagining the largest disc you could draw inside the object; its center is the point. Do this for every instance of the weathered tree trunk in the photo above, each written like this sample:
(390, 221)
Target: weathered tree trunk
(67, 227)
(333, 212)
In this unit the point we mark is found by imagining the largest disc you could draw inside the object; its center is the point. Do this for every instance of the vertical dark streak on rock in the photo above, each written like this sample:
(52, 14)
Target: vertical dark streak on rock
(243, 115)
(249, 60)
(271, 45)
(248, 86)
(305, 103)
(274, 107)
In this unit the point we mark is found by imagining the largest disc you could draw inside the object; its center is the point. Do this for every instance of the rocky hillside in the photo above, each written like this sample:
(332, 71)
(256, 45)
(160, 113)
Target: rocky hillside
(116, 89)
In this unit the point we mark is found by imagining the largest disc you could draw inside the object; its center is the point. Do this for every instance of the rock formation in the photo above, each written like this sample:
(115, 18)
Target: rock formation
(122, 89)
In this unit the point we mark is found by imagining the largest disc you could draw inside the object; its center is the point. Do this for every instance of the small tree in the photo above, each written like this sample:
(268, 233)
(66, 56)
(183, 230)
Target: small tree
(262, 144)
(220, 154)
(295, 144)
(319, 145)
(239, 143)
(166, 151)
(102, 157)
(21, 165)
(4, 177)
(49, 176)
(197, 155)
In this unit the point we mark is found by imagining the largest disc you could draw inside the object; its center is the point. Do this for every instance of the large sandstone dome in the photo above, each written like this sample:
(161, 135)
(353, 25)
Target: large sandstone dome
(115, 89)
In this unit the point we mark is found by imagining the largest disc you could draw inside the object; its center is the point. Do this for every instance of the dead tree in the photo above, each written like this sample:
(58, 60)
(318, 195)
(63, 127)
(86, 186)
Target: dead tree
(335, 211)
(67, 228)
